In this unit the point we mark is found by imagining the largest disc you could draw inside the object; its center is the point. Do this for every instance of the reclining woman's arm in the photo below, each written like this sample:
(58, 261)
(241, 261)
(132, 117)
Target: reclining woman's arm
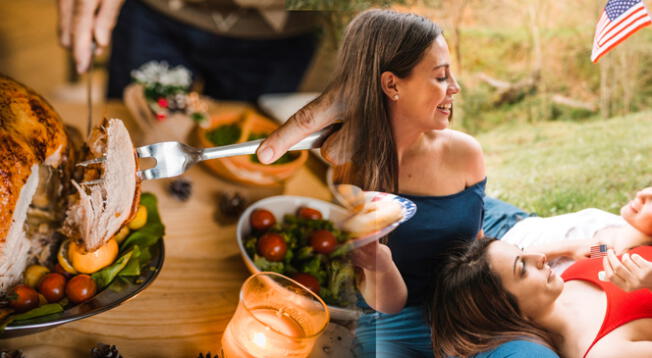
(620, 239)
(626, 238)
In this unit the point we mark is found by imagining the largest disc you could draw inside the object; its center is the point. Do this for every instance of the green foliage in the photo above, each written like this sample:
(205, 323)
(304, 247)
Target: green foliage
(498, 39)
(156, 90)
(558, 167)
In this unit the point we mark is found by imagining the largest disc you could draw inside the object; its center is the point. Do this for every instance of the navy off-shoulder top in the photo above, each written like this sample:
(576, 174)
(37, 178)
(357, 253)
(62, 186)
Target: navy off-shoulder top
(439, 222)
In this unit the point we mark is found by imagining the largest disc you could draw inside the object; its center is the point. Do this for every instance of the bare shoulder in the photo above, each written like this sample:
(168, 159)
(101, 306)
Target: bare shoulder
(466, 154)
(463, 144)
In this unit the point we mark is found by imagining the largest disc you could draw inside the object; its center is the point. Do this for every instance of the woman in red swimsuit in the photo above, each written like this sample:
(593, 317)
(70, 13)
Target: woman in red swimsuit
(491, 292)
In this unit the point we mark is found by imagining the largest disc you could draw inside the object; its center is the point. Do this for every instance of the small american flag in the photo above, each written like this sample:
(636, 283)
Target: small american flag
(619, 20)
(598, 251)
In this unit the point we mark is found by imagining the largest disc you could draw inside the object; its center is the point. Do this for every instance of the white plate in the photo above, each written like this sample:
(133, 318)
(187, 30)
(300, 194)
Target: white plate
(407, 206)
(409, 209)
(288, 204)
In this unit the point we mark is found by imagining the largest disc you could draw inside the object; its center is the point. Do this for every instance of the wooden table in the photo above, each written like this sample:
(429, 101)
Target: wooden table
(185, 311)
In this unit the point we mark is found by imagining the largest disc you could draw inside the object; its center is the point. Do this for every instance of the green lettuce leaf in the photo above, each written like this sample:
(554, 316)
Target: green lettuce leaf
(104, 277)
(153, 230)
(40, 311)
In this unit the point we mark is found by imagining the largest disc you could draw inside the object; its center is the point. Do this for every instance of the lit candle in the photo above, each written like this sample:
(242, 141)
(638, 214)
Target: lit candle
(276, 317)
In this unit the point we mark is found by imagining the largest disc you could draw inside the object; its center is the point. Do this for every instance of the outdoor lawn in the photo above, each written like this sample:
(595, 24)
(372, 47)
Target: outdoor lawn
(556, 167)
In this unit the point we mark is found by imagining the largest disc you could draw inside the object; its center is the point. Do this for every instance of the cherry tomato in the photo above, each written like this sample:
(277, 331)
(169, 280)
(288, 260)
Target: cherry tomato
(262, 219)
(272, 247)
(309, 213)
(80, 288)
(307, 280)
(52, 287)
(323, 241)
(59, 269)
(23, 298)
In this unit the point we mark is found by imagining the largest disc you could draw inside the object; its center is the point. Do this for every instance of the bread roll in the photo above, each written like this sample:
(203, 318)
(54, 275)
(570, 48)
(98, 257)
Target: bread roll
(375, 216)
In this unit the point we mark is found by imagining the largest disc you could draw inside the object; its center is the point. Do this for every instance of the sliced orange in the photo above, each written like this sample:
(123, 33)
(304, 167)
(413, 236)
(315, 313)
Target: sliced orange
(62, 257)
(90, 262)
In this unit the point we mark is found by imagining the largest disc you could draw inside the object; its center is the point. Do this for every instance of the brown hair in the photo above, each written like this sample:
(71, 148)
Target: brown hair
(375, 41)
(470, 311)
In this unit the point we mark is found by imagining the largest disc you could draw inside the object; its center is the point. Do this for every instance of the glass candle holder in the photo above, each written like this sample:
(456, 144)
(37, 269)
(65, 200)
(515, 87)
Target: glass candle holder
(276, 317)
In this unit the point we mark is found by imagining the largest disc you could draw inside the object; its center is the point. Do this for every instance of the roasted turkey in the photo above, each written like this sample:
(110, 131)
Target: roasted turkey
(31, 136)
(42, 195)
(100, 210)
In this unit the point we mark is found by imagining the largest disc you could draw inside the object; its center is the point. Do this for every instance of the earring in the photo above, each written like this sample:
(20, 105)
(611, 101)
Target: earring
(396, 97)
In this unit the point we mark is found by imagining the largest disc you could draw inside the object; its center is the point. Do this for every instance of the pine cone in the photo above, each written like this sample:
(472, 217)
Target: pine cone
(231, 206)
(12, 354)
(180, 189)
(105, 351)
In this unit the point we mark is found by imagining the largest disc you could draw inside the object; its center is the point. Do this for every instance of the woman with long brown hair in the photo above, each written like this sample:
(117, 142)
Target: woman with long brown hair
(393, 89)
(469, 311)
(491, 292)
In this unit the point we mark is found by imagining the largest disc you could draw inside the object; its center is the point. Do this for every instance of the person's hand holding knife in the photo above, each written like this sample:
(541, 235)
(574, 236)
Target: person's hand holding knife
(84, 22)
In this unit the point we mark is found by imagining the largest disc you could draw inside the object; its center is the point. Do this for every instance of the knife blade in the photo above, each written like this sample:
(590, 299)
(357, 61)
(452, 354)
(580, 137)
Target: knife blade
(89, 91)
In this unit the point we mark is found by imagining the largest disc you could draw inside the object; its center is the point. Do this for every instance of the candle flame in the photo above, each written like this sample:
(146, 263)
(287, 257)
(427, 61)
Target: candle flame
(260, 339)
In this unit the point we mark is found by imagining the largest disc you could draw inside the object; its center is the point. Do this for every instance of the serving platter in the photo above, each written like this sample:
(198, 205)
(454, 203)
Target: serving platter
(109, 298)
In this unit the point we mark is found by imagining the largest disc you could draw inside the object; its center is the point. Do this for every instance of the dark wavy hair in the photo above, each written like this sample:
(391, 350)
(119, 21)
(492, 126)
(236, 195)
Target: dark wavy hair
(469, 310)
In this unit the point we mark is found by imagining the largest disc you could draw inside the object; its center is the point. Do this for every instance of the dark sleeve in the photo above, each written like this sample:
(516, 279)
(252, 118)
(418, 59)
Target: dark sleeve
(519, 349)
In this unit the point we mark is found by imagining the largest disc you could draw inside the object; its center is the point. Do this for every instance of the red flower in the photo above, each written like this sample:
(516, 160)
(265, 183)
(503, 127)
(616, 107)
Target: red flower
(160, 116)
(163, 102)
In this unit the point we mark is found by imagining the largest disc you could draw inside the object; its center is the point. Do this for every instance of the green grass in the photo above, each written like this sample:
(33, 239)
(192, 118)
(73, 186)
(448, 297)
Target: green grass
(552, 168)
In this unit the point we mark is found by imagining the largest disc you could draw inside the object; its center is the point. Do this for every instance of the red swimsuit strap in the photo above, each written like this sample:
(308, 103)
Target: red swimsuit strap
(622, 307)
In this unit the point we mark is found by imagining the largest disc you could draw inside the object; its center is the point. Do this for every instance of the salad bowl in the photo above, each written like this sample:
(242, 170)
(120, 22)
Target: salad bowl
(282, 205)
(288, 204)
